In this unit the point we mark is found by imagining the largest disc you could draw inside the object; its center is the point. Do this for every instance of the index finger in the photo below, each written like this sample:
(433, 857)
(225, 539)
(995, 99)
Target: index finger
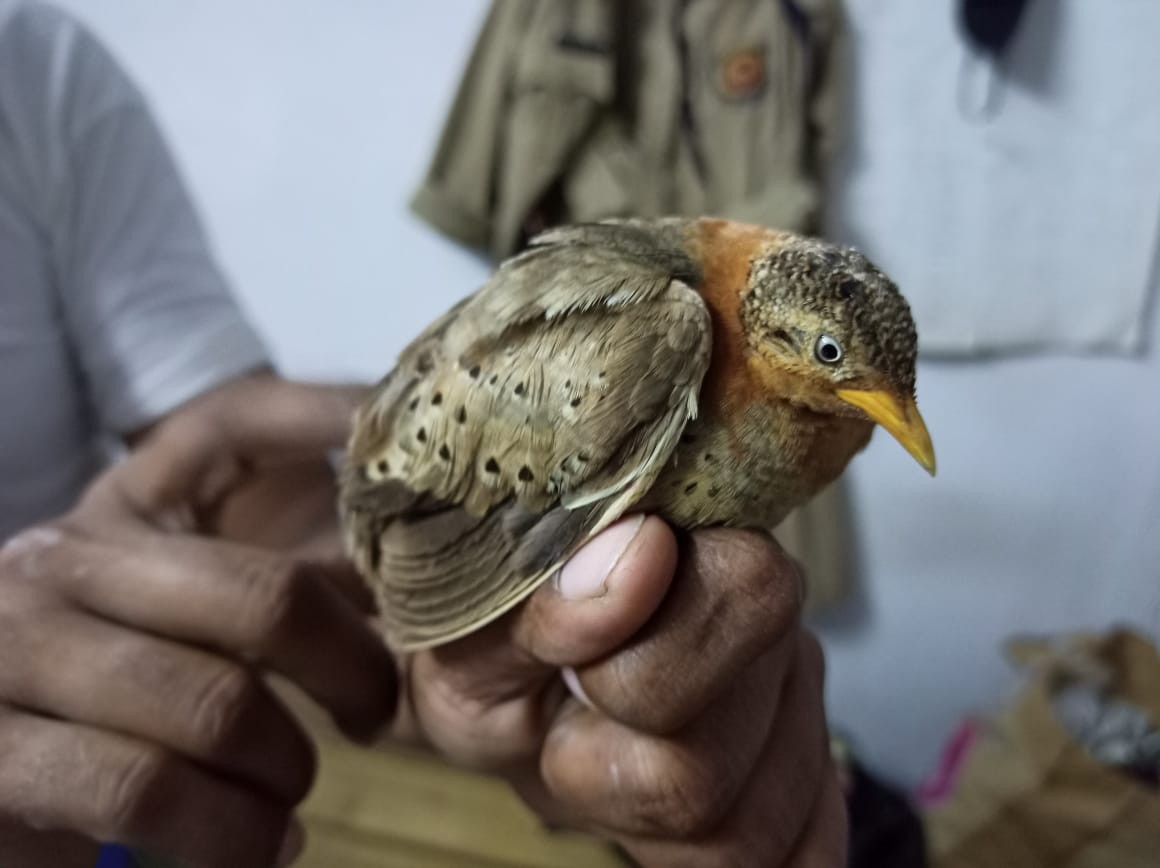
(252, 604)
(205, 446)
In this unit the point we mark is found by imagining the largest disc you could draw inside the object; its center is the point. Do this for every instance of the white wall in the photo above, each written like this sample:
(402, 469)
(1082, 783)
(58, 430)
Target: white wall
(1037, 219)
(303, 126)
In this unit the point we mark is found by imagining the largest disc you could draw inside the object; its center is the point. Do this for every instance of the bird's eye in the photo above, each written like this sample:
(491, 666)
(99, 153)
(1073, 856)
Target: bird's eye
(828, 350)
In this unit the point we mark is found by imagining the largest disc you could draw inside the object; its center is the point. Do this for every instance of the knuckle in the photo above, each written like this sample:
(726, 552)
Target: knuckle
(447, 687)
(751, 585)
(484, 737)
(130, 792)
(278, 595)
(768, 583)
(653, 704)
(481, 731)
(26, 555)
(681, 797)
(31, 645)
(221, 708)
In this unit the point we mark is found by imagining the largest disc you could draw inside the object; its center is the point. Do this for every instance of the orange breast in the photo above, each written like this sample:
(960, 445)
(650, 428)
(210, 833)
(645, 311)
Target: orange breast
(726, 250)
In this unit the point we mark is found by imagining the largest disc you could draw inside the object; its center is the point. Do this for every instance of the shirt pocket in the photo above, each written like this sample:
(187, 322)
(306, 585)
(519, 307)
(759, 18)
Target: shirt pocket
(748, 101)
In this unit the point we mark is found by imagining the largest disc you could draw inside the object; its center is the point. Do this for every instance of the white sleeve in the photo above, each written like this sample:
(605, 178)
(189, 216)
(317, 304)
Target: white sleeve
(147, 309)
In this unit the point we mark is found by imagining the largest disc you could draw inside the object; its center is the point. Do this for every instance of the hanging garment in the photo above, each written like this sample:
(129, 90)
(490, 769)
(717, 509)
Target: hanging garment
(583, 109)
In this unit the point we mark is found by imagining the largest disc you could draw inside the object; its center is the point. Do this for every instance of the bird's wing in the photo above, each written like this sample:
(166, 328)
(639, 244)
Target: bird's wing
(531, 416)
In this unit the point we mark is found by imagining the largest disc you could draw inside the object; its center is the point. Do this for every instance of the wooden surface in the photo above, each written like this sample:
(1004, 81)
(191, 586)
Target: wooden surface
(398, 808)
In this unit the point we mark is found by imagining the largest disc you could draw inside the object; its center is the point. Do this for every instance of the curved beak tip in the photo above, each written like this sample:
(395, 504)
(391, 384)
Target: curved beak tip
(899, 416)
(928, 462)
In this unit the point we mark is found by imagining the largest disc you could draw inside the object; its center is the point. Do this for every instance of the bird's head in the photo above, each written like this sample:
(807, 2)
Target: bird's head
(836, 335)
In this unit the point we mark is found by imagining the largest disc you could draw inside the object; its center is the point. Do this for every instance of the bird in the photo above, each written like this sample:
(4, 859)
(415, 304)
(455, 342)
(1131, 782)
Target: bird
(708, 371)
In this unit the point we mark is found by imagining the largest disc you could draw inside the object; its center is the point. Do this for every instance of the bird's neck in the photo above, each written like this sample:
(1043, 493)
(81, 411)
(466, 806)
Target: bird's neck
(754, 469)
(810, 448)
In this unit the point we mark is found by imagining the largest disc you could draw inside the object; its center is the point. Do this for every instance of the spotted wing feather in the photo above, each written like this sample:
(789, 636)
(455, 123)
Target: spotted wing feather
(527, 419)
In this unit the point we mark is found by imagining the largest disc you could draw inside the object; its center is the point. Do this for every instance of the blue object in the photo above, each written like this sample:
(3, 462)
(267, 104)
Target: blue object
(114, 856)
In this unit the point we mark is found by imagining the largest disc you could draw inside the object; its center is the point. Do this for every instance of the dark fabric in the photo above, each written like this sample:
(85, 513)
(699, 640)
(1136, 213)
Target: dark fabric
(114, 856)
(991, 24)
(884, 831)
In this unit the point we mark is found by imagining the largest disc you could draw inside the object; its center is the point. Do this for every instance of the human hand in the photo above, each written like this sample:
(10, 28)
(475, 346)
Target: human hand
(702, 739)
(133, 706)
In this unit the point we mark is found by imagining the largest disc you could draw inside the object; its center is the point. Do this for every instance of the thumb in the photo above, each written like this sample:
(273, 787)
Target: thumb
(486, 699)
(605, 593)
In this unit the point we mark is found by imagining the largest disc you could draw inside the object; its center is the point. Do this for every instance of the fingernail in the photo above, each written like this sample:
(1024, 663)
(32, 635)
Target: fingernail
(572, 681)
(586, 573)
(293, 844)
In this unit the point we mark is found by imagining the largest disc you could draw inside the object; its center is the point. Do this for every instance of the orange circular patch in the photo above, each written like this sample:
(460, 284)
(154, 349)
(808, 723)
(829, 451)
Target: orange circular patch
(743, 73)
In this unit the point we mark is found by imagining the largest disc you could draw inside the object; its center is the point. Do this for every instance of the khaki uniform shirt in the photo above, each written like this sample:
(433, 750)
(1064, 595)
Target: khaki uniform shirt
(577, 110)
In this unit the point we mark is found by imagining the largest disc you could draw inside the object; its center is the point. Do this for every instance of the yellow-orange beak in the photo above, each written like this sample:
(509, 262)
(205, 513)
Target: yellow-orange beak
(900, 417)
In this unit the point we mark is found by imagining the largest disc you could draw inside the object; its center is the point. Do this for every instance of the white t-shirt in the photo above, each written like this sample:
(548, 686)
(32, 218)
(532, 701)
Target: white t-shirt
(112, 310)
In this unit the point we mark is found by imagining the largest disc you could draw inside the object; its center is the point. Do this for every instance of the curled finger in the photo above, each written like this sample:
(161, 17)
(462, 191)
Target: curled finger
(273, 610)
(736, 595)
(213, 710)
(59, 775)
(678, 786)
(785, 814)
